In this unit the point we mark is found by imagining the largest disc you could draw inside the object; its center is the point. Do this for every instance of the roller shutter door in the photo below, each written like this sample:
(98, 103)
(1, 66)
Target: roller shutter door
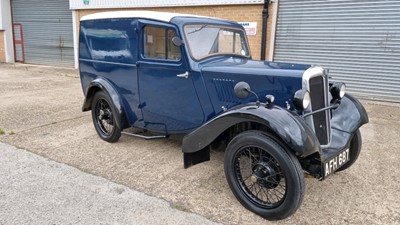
(359, 41)
(47, 31)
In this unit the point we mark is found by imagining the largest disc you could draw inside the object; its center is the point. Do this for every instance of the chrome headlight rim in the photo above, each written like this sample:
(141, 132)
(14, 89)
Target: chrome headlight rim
(302, 99)
(338, 90)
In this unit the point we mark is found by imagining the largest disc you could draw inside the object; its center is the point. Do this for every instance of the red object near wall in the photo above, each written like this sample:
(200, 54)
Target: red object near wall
(18, 43)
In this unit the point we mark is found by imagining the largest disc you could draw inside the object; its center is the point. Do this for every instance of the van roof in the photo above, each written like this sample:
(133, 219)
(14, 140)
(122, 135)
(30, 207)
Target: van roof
(162, 16)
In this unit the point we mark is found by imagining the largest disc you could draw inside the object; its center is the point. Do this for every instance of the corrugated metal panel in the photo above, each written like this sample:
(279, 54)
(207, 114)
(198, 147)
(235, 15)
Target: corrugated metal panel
(97, 4)
(359, 41)
(47, 31)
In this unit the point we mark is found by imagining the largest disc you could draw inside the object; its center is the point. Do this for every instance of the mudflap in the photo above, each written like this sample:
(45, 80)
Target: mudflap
(191, 159)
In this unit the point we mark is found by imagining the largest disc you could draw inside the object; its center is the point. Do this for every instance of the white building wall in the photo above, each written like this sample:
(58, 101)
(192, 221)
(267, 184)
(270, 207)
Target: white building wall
(6, 25)
(75, 38)
(98, 4)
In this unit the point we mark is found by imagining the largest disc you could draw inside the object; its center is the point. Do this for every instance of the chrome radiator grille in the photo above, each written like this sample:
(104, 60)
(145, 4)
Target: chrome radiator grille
(321, 120)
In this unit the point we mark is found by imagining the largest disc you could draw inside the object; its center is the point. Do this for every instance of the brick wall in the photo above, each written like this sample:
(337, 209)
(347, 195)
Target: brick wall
(241, 13)
(2, 47)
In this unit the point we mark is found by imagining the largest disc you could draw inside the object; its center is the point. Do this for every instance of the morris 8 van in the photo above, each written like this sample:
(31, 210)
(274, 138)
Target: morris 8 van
(167, 74)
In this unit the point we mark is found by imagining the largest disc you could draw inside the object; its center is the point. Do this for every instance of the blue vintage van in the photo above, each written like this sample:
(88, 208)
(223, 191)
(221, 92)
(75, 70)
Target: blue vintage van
(167, 74)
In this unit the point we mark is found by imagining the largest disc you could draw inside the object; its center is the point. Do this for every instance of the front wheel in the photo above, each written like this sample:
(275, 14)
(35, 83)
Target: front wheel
(355, 149)
(263, 175)
(103, 115)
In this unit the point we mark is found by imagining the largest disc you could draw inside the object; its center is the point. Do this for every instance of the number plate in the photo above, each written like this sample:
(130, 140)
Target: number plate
(336, 162)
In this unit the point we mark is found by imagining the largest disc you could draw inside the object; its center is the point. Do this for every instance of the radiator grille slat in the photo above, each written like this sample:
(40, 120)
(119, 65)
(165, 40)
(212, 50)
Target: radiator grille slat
(317, 93)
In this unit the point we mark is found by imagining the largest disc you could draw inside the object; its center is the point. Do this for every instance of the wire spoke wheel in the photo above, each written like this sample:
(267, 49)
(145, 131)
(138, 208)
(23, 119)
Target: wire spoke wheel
(263, 175)
(104, 117)
(260, 176)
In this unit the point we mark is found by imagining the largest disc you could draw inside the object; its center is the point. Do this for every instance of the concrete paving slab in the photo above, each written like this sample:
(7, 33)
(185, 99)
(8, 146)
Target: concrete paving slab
(35, 190)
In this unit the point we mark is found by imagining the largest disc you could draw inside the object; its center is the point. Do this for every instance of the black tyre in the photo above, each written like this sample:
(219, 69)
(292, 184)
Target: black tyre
(103, 115)
(266, 178)
(355, 149)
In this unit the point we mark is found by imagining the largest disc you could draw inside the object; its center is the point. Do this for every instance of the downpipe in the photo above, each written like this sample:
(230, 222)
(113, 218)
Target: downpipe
(265, 16)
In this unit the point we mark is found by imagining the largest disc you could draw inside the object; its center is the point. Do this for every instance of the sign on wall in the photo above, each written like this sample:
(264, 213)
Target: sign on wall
(250, 27)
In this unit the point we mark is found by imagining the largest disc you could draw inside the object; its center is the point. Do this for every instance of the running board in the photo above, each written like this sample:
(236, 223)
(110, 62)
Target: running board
(140, 135)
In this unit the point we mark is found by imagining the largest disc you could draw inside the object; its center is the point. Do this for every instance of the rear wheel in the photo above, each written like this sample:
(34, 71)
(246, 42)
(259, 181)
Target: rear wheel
(355, 149)
(103, 115)
(266, 178)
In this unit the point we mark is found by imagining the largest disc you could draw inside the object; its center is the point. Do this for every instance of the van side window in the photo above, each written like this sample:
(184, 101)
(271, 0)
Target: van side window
(108, 45)
(158, 44)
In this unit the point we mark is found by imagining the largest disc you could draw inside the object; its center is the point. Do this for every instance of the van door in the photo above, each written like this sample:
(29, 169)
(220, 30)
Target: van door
(168, 98)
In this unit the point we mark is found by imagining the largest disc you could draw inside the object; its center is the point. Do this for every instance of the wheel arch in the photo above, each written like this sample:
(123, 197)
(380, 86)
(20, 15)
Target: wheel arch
(350, 115)
(284, 125)
(103, 85)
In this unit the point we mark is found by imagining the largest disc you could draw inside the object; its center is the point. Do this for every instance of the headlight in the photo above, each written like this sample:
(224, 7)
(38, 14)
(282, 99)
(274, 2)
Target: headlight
(301, 99)
(338, 90)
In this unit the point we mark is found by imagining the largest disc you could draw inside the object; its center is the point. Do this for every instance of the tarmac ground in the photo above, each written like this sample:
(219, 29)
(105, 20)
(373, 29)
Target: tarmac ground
(40, 111)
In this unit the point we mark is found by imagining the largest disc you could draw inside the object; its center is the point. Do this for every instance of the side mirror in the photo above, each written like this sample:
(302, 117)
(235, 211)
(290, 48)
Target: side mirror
(177, 41)
(242, 89)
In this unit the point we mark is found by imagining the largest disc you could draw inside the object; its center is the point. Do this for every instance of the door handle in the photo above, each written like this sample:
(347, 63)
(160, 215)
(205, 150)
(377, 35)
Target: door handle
(183, 75)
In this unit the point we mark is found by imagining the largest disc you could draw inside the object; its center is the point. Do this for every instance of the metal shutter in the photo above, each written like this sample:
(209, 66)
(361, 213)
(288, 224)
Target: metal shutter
(47, 31)
(359, 41)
